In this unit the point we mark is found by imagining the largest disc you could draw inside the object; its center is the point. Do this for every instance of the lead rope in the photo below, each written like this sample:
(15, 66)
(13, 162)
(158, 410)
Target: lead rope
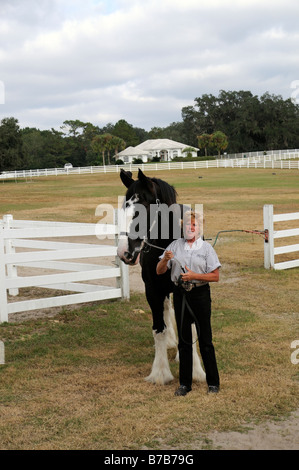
(184, 302)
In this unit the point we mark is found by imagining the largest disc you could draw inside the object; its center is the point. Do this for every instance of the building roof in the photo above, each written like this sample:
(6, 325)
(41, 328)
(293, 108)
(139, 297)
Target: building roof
(153, 144)
(162, 144)
(131, 151)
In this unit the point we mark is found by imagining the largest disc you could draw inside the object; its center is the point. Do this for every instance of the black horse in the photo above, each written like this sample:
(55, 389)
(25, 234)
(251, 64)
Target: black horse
(155, 221)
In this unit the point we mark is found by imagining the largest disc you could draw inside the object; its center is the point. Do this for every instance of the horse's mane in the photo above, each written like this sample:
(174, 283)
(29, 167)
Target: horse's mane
(168, 193)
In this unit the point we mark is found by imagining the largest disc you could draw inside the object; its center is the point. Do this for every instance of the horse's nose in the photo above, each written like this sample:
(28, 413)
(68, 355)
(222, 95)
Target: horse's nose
(127, 255)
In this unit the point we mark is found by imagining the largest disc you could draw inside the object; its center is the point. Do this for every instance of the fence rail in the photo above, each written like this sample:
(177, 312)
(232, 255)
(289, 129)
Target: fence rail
(17, 237)
(258, 153)
(275, 161)
(270, 250)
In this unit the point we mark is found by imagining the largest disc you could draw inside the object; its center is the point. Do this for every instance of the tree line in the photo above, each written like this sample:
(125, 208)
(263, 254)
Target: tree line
(235, 121)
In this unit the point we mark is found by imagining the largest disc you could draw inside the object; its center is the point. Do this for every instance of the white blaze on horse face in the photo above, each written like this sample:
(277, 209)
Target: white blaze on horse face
(126, 215)
(124, 219)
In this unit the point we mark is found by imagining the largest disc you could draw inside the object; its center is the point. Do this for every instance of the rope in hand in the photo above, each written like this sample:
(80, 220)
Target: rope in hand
(254, 232)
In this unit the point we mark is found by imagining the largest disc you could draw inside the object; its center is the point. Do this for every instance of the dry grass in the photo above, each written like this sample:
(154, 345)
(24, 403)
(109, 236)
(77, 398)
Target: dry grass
(75, 381)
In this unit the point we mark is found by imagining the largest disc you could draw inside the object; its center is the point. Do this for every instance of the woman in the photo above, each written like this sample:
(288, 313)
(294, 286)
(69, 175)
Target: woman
(193, 263)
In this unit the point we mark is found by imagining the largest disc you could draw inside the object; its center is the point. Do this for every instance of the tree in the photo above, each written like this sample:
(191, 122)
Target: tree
(71, 127)
(188, 151)
(117, 144)
(191, 124)
(219, 141)
(98, 145)
(79, 135)
(204, 141)
(126, 131)
(156, 133)
(101, 144)
(11, 146)
(250, 123)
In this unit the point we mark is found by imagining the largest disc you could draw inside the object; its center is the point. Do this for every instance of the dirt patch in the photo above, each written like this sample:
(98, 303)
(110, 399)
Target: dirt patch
(271, 435)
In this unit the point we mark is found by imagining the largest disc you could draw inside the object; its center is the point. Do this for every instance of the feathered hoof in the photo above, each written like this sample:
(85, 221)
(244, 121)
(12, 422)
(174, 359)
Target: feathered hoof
(160, 378)
(199, 376)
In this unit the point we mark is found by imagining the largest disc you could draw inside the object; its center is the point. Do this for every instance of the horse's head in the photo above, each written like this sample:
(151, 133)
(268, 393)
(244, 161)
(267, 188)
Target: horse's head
(141, 194)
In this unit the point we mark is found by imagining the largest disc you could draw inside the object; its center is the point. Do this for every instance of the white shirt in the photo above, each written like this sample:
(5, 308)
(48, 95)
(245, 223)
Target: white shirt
(200, 257)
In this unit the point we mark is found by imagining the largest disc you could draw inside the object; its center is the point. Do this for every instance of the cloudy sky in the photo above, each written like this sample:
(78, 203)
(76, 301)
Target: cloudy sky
(140, 60)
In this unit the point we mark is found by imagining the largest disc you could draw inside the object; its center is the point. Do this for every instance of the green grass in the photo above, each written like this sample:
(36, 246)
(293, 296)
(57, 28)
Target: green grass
(234, 188)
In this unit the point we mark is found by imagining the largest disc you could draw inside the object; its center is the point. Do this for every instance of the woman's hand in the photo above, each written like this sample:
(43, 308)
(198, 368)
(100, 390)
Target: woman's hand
(162, 265)
(188, 276)
(168, 255)
(213, 276)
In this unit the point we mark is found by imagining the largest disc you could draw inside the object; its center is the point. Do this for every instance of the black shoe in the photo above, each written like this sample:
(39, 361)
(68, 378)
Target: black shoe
(213, 389)
(182, 391)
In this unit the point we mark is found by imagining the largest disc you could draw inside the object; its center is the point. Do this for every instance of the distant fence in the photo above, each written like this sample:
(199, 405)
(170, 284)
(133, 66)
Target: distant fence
(278, 161)
(21, 245)
(270, 251)
(274, 153)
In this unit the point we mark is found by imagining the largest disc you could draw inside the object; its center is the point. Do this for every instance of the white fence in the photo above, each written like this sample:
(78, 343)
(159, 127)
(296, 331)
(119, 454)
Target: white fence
(278, 161)
(270, 251)
(259, 153)
(29, 244)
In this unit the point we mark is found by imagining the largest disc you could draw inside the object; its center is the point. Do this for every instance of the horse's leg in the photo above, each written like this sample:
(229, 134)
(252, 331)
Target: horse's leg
(169, 319)
(160, 373)
(198, 373)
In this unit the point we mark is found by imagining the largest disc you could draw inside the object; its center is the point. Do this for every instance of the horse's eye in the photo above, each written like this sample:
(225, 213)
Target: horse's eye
(133, 199)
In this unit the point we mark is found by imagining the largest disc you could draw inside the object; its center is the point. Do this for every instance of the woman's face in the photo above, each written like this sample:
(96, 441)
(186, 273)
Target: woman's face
(192, 229)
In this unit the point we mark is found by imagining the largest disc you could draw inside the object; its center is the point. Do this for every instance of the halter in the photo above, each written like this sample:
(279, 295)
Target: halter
(145, 238)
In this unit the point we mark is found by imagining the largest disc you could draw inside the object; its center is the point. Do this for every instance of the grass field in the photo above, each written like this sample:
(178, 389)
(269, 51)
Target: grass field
(75, 381)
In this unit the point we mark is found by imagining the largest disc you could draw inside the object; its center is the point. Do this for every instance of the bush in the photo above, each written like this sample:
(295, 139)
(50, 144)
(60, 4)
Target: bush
(192, 159)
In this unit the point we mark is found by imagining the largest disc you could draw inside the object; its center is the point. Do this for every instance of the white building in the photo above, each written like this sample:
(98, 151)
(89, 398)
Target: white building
(164, 149)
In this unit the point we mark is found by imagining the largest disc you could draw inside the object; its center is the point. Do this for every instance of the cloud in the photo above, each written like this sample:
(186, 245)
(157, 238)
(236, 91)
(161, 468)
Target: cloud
(101, 61)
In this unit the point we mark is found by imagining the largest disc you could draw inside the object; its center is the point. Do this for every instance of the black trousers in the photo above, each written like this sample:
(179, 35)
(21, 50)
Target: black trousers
(199, 299)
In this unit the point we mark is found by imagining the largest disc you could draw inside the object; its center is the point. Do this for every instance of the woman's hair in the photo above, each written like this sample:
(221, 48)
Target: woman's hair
(192, 215)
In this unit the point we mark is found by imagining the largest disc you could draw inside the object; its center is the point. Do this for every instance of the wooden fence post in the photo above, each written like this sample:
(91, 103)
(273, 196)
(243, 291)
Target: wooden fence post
(124, 269)
(3, 293)
(11, 269)
(269, 240)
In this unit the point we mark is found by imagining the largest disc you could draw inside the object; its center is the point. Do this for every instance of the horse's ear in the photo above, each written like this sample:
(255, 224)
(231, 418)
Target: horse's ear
(144, 179)
(126, 177)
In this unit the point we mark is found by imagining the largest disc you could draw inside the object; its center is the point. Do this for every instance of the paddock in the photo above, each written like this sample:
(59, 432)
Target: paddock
(75, 381)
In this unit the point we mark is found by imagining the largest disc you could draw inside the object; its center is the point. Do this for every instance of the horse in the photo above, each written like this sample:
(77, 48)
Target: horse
(155, 231)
